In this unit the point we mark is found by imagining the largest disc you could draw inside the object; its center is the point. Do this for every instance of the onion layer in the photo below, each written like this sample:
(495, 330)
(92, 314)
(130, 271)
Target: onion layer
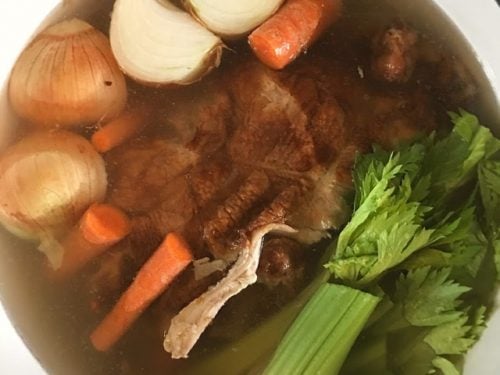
(47, 180)
(232, 18)
(158, 44)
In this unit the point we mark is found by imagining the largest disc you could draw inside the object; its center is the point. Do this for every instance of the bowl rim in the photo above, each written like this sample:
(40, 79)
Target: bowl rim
(478, 22)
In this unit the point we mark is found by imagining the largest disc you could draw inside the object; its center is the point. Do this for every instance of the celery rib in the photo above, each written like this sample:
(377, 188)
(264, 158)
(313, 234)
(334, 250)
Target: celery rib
(321, 337)
(259, 344)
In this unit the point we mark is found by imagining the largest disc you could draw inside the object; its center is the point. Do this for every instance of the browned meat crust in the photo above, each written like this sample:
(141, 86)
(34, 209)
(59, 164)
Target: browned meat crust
(231, 212)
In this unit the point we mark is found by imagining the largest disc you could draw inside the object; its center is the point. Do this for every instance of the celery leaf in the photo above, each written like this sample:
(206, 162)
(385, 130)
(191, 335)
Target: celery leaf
(489, 184)
(429, 297)
(452, 337)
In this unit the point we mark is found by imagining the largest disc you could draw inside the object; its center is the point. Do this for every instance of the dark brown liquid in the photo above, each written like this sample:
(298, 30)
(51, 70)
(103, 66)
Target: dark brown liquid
(54, 321)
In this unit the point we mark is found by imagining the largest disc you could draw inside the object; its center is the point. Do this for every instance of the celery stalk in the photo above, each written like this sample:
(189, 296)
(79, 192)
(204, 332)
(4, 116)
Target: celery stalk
(368, 356)
(259, 344)
(324, 332)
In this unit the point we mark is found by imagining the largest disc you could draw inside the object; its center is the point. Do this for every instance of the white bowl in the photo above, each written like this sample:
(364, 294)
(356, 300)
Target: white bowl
(478, 21)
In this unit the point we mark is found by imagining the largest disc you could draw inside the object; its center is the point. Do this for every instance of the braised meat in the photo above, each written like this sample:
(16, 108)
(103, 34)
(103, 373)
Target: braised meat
(395, 54)
(281, 263)
(263, 147)
(198, 118)
(140, 175)
(272, 125)
(400, 54)
(231, 212)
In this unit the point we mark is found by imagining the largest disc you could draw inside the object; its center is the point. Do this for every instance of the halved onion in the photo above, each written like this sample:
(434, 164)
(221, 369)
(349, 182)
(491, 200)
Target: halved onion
(47, 180)
(232, 18)
(157, 43)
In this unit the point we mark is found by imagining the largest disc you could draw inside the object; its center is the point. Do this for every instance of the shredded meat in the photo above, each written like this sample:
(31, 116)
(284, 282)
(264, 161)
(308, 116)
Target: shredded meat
(187, 326)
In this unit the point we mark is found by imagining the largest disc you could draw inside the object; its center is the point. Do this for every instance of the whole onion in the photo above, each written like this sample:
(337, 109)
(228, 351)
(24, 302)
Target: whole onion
(67, 77)
(47, 180)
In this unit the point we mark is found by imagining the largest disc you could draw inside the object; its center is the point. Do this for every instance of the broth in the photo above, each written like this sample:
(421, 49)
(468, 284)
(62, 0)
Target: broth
(54, 321)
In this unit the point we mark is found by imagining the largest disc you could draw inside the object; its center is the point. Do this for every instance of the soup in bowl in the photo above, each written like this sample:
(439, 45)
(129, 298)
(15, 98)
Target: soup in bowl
(233, 208)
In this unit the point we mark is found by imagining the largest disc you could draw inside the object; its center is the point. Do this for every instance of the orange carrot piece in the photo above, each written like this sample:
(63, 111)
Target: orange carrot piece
(104, 224)
(169, 260)
(292, 29)
(100, 227)
(120, 130)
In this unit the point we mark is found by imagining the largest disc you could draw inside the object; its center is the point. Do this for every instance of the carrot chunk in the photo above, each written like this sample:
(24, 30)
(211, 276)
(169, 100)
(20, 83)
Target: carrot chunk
(169, 260)
(121, 129)
(292, 29)
(100, 227)
(104, 224)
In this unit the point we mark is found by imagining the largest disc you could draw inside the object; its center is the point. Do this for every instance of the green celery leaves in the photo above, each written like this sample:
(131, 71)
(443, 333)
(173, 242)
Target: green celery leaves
(489, 183)
(402, 201)
(418, 233)
(429, 297)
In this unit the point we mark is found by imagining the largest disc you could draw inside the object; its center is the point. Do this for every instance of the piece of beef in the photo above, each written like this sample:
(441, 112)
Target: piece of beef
(326, 117)
(401, 118)
(272, 127)
(287, 157)
(394, 54)
(211, 178)
(278, 210)
(400, 53)
(110, 275)
(140, 171)
(172, 214)
(216, 231)
(198, 118)
(282, 263)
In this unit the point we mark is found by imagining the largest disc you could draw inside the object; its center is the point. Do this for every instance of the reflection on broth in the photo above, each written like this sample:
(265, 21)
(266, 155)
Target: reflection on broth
(214, 161)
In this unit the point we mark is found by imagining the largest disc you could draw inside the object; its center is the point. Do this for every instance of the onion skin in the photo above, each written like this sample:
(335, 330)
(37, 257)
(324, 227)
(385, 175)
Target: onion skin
(67, 77)
(47, 181)
(159, 45)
